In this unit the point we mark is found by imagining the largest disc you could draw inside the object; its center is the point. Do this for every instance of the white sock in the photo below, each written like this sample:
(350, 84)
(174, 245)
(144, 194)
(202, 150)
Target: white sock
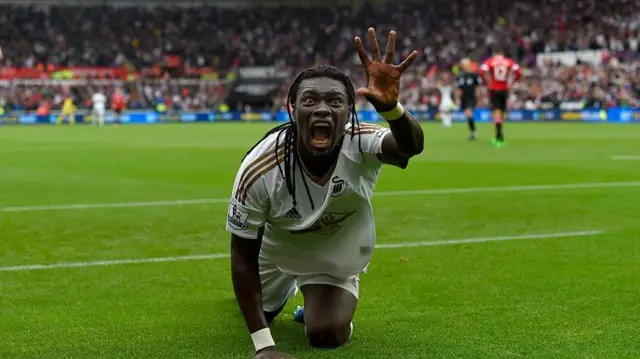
(446, 119)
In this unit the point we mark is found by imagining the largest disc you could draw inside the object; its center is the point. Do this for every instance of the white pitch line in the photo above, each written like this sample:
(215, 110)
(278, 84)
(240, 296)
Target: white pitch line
(544, 187)
(489, 239)
(626, 157)
(114, 205)
(33, 267)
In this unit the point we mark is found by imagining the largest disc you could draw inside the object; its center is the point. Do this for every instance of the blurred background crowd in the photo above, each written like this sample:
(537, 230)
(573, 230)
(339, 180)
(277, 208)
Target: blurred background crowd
(216, 40)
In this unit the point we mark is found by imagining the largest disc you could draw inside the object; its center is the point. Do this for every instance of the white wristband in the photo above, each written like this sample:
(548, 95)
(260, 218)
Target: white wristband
(262, 339)
(393, 114)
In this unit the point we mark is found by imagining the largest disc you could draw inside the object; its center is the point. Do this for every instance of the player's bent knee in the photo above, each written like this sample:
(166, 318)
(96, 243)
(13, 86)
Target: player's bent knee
(328, 335)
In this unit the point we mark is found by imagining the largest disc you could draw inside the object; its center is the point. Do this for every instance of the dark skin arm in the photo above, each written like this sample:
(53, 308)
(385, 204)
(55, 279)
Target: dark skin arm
(245, 276)
(246, 280)
(382, 91)
(406, 140)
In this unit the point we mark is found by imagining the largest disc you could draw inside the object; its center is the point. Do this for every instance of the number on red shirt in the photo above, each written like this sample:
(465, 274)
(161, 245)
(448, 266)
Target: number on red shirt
(500, 73)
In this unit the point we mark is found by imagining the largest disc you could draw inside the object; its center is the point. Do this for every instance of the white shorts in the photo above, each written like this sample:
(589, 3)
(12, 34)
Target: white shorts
(446, 106)
(99, 111)
(278, 287)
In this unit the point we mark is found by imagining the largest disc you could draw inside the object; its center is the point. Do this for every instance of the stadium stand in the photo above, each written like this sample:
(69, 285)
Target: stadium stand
(189, 57)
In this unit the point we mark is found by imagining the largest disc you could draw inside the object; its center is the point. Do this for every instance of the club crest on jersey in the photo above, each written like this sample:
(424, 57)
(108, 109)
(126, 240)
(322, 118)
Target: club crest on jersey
(292, 214)
(339, 186)
(237, 218)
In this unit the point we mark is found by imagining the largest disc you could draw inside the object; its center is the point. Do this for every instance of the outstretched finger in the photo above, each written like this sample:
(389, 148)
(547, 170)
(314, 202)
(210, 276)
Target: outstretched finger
(362, 53)
(408, 61)
(375, 50)
(391, 48)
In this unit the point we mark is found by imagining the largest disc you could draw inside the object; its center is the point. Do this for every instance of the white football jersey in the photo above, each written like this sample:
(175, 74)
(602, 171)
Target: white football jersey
(98, 100)
(446, 93)
(336, 236)
(446, 102)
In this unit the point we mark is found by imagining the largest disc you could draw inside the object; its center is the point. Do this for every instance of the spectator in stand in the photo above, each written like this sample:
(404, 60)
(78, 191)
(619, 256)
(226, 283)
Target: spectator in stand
(445, 31)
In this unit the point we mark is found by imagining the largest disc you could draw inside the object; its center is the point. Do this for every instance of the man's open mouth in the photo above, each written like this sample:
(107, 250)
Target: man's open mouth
(321, 134)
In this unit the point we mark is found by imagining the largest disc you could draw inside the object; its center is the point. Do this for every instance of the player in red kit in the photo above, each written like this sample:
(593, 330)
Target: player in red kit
(499, 73)
(118, 103)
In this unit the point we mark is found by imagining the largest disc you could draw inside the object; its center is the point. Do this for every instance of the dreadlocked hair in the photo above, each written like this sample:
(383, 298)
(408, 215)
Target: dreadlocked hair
(288, 132)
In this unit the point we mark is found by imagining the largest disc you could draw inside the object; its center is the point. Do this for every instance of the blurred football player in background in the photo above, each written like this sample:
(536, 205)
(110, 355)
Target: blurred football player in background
(466, 94)
(446, 100)
(118, 103)
(499, 73)
(68, 109)
(99, 101)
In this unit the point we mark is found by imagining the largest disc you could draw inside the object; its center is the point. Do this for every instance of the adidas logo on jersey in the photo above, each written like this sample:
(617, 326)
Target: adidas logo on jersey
(292, 214)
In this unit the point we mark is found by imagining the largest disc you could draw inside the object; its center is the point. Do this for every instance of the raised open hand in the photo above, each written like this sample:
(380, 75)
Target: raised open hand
(383, 78)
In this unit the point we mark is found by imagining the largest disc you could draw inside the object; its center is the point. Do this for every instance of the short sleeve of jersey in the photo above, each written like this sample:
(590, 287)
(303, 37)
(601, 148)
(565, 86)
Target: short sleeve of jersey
(249, 204)
(371, 137)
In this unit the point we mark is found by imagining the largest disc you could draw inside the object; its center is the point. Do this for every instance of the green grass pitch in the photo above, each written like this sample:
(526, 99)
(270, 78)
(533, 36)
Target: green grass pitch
(572, 294)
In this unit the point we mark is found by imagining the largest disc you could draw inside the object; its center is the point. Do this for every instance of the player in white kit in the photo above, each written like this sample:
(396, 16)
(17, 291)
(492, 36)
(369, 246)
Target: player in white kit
(99, 101)
(446, 100)
(300, 215)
